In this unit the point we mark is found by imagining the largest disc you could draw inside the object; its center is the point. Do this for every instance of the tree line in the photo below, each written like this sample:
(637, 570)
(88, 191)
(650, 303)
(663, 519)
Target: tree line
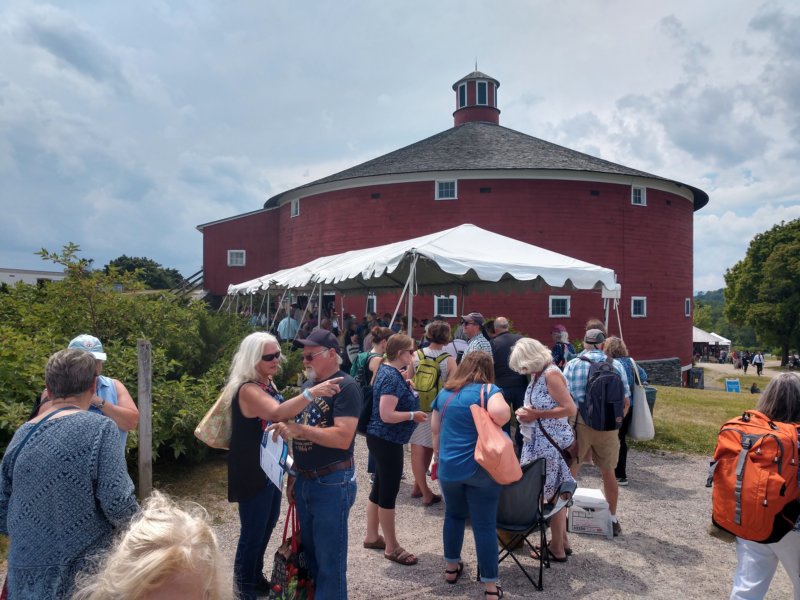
(759, 308)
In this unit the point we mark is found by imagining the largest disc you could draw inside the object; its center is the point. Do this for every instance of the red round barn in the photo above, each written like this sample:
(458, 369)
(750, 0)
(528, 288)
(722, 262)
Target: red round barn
(505, 181)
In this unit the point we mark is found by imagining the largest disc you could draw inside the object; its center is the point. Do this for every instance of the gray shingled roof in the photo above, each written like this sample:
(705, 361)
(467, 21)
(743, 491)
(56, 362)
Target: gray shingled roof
(483, 146)
(476, 75)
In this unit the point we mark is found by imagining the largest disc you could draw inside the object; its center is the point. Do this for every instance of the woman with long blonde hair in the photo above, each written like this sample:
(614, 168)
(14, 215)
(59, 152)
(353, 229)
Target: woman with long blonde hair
(255, 402)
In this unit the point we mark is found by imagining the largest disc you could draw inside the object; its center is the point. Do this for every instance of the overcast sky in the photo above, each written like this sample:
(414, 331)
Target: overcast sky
(124, 125)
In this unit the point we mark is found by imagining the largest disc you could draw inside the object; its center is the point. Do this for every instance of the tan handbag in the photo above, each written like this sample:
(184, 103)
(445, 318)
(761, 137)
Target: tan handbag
(215, 428)
(494, 450)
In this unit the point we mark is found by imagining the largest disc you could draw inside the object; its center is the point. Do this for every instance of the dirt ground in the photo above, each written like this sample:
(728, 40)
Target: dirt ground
(663, 552)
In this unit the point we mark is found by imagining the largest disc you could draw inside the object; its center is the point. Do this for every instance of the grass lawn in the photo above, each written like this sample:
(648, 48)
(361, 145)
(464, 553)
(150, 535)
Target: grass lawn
(745, 381)
(688, 420)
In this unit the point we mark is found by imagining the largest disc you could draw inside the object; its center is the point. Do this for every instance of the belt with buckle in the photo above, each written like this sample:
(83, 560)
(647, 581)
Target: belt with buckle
(332, 468)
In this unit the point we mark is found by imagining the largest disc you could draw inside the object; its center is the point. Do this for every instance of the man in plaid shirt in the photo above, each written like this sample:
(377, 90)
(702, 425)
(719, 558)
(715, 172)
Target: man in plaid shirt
(603, 444)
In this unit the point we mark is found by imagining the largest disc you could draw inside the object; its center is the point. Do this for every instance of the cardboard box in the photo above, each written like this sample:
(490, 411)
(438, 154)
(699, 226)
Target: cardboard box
(589, 513)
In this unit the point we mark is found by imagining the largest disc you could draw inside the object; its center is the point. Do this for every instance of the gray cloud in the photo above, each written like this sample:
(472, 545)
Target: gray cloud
(695, 54)
(73, 44)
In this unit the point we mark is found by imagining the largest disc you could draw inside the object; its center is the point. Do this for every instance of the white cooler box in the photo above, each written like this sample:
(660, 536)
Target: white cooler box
(589, 513)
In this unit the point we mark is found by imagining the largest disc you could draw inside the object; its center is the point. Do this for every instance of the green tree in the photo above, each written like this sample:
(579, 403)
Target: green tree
(146, 270)
(763, 289)
(192, 346)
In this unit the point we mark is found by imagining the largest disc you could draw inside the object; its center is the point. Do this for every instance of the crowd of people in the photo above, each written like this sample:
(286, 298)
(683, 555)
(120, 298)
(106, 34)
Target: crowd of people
(96, 542)
(421, 392)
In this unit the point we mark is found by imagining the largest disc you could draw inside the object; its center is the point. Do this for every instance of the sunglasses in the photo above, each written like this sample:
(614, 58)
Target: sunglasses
(310, 357)
(270, 357)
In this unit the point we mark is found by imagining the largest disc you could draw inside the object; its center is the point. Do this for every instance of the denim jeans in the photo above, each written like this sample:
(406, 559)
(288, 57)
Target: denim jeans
(475, 498)
(323, 507)
(257, 516)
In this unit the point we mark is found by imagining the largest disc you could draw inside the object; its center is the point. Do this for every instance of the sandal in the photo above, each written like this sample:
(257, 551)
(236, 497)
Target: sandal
(379, 544)
(552, 557)
(401, 557)
(498, 594)
(435, 499)
(457, 572)
(567, 551)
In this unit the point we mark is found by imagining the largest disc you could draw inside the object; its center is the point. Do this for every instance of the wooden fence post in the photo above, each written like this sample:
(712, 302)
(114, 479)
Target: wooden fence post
(144, 352)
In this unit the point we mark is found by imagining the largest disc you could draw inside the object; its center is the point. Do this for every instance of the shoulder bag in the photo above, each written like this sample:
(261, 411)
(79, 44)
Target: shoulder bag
(641, 427)
(215, 427)
(569, 453)
(494, 450)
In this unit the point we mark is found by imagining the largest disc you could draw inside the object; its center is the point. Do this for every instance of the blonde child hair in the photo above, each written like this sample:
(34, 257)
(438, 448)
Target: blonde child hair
(165, 545)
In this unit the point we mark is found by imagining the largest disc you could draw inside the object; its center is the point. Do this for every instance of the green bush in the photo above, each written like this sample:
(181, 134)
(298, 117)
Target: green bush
(192, 347)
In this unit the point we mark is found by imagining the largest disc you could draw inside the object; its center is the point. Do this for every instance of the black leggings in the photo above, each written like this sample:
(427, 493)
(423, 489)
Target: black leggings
(622, 461)
(389, 469)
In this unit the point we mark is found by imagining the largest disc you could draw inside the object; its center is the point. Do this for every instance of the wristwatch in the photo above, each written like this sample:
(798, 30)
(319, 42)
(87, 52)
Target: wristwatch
(101, 404)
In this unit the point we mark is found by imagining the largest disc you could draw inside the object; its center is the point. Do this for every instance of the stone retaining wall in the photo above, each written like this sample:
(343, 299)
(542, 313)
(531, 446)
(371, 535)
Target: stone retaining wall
(664, 371)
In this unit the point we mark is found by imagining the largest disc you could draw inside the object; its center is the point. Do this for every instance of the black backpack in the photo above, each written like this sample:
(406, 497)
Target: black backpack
(603, 407)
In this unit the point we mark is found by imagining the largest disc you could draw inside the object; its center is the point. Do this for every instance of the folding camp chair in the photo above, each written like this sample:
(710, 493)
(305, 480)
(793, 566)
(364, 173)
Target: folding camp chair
(522, 511)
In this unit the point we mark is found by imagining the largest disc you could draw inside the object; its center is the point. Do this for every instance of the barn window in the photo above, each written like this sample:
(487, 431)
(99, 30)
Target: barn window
(236, 258)
(559, 306)
(638, 195)
(483, 93)
(444, 306)
(446, 190)
(639, 307)
(687, 307)
(462, 95)
(295, 212)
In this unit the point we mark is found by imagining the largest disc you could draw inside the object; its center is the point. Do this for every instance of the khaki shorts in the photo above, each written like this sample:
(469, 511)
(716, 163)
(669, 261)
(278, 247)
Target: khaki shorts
(604, 445)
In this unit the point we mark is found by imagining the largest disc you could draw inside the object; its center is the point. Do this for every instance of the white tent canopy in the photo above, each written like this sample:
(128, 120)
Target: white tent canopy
(703, 337)
(462, 257)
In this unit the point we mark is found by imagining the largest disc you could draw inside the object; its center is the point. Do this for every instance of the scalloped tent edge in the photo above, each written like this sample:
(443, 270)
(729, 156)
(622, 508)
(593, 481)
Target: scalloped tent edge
(466, 258)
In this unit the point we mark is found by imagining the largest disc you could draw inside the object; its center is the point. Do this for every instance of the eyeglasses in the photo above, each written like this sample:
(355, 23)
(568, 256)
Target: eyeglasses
(271, 357)
(310, 357)
(468, 323)
(411, 351)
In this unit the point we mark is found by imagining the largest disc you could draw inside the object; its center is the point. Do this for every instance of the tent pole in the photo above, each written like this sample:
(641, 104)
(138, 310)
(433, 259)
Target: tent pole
(319, 308)
(606, 308)
(305, 311)
(268, 303)
(619, 322)
(400, 300)
(275, 318)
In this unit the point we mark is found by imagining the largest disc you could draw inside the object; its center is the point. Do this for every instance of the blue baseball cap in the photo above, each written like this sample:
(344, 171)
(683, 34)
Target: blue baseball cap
(89, 343)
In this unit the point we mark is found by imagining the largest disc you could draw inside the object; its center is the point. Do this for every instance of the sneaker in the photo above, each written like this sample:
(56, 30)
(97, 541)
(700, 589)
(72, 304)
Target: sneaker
(622, 481)
(616, 527)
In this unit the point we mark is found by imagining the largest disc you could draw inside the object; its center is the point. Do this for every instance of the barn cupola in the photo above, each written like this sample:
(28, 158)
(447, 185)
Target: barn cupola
(476, 99)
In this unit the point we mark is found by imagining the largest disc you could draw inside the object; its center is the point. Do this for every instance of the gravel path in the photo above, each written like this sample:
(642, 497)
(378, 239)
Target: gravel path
(663, 551)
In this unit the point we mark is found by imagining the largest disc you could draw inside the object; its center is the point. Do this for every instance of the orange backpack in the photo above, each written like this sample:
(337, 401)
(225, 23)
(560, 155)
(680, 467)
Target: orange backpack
(754, 474)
